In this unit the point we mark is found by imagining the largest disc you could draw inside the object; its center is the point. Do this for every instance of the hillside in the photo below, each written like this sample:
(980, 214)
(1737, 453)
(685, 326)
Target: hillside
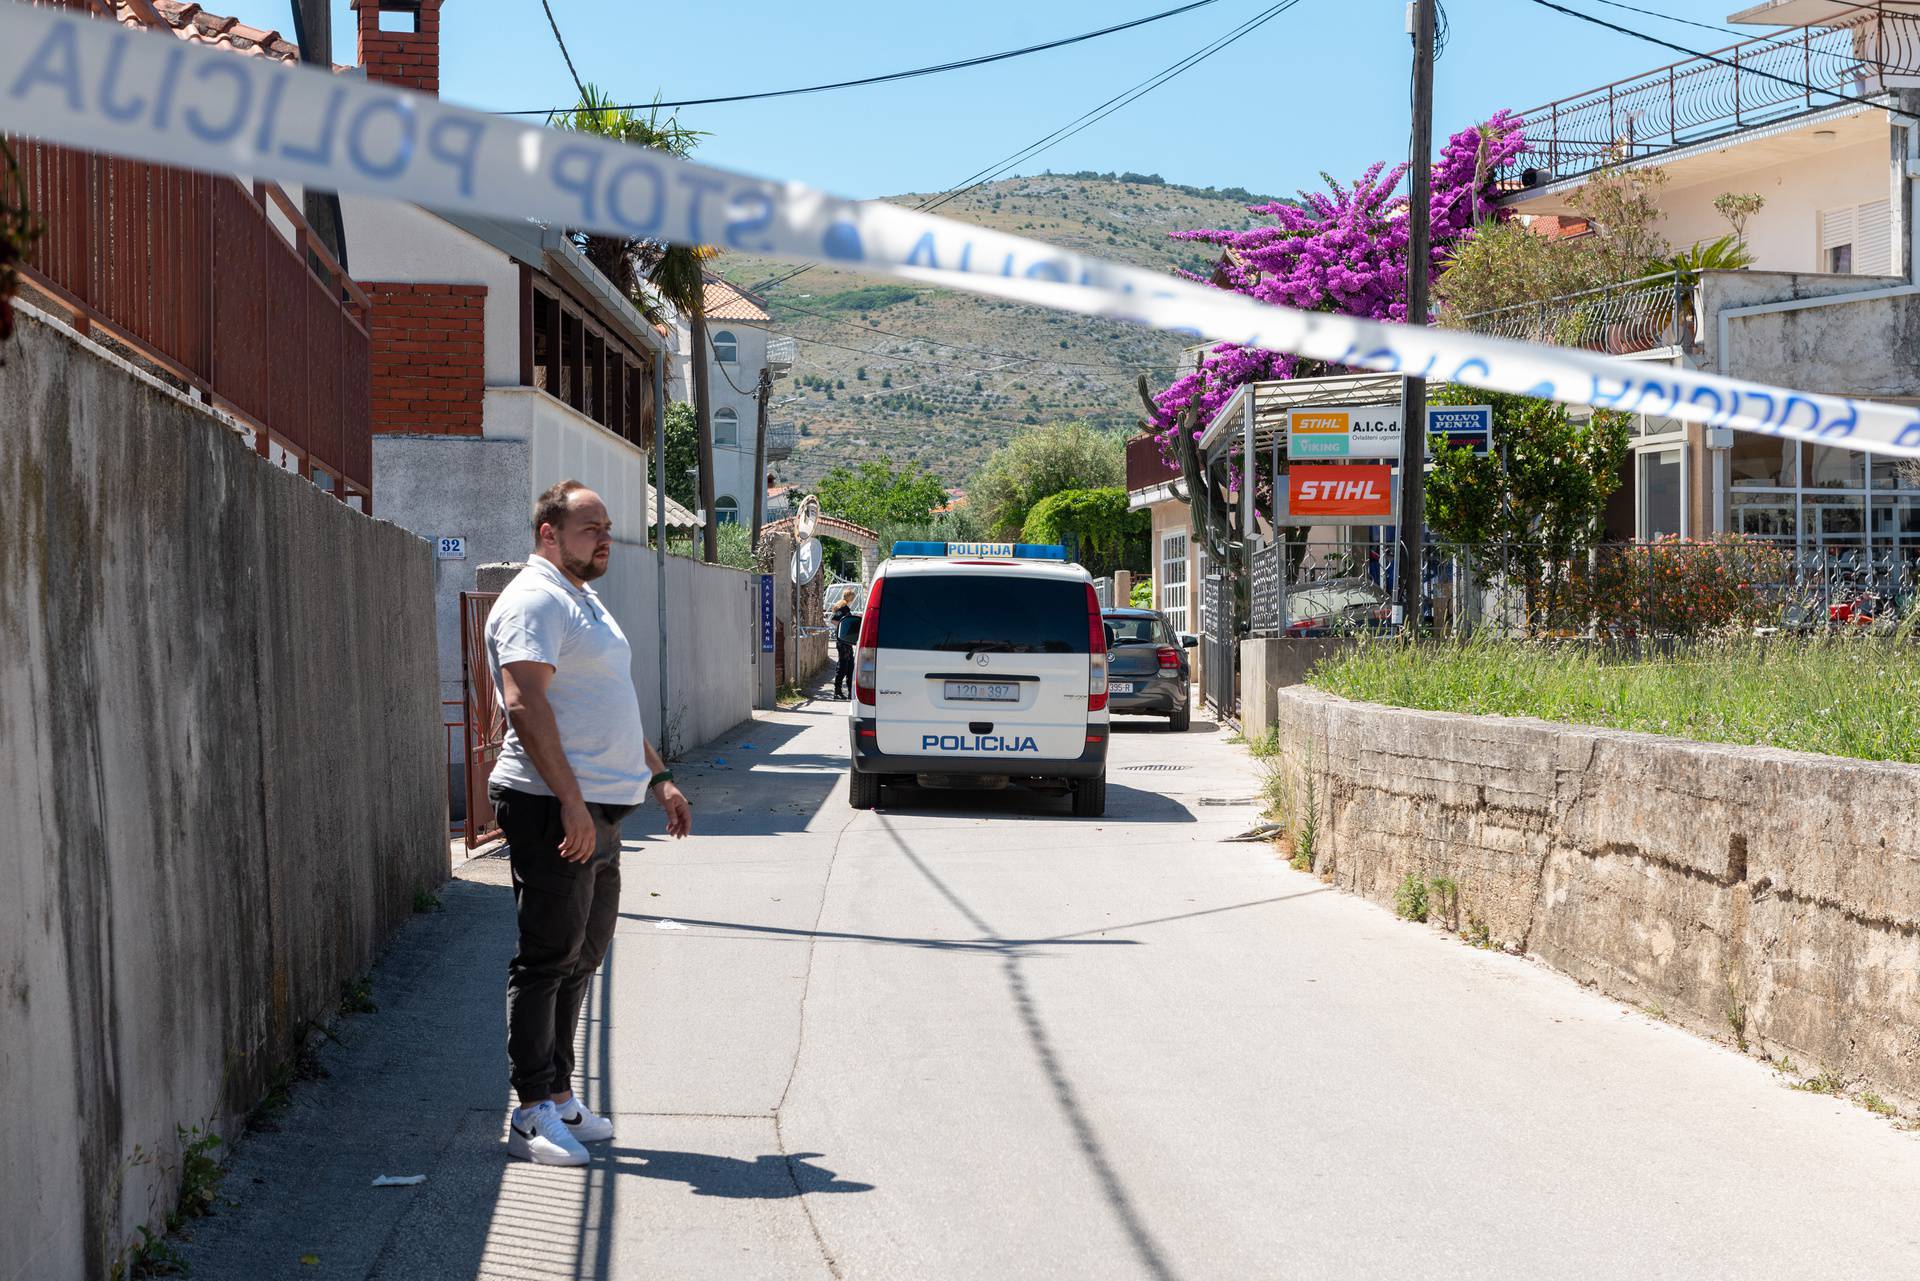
(922, 375)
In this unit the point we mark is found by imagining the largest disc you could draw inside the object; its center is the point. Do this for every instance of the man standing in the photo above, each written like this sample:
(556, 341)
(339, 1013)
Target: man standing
(575, 762)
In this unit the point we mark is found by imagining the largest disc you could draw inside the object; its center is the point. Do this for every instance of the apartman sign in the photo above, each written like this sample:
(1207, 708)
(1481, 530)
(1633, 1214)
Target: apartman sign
(85, 82)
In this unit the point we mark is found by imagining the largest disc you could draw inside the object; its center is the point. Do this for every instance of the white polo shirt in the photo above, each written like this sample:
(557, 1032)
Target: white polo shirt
(541, 617)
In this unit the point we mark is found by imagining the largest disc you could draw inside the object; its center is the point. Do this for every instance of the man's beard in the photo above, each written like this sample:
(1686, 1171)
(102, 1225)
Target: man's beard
(584, 568)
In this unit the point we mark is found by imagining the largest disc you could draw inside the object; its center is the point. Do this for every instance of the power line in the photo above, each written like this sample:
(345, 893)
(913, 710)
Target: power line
(936, 69)
(1747, 68)
(561, 41)
(1655, 13)
(1086, 119)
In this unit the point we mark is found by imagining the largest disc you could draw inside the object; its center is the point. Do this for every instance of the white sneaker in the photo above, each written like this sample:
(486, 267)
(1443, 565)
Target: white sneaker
(580, 1119)
(539, 1135)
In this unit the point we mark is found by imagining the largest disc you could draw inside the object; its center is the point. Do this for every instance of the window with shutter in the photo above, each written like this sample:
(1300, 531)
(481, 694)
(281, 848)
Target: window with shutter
(1857, 239)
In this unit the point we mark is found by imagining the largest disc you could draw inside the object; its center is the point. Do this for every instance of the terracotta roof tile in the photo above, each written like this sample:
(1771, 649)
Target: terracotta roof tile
(191, 22)
(725, 302)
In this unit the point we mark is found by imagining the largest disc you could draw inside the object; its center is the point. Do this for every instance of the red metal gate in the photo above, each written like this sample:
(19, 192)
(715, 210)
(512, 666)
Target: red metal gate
(486, 726)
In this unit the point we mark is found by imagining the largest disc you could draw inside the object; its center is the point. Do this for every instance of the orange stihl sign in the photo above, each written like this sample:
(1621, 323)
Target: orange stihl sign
(1340, 491)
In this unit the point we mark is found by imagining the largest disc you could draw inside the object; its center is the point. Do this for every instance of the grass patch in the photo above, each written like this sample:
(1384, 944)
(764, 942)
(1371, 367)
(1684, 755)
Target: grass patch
(1876, 1105)
(356, 996)
(1849, 696)
(1410, 900)
(1827, 1082)
(425, 900)
(1266, 747)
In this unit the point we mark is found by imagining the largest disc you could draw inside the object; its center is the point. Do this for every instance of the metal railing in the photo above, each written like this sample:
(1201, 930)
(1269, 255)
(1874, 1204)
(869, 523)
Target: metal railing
(1637, 315)
(1751, 83)
(780, 440)
(1612, 591)
(781, 352)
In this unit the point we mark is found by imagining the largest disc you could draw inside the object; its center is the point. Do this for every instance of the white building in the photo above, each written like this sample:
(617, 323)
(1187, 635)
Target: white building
(740, 345)
(1820, 121)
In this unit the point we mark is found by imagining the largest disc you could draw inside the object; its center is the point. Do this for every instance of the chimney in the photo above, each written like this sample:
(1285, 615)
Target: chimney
(400, 42)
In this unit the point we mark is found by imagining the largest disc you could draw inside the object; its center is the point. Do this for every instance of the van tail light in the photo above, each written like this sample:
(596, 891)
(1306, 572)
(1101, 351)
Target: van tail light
(866, 660)
(1096, 654)
(1169, 659)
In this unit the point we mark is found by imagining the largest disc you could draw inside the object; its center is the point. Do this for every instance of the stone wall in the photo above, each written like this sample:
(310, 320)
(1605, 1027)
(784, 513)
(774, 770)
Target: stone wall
(220, 781)
(1767, 898)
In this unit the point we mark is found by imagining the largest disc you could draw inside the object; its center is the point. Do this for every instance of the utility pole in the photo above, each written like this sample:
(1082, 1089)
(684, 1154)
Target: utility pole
(763, 394)
(1411, 519)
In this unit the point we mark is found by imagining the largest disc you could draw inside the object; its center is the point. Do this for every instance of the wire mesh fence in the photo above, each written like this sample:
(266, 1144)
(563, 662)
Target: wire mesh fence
(1665, 588)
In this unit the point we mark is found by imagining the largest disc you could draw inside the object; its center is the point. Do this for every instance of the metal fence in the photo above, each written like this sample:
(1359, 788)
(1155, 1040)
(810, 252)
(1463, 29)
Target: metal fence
(1666, 588)
(1756, 81)
(1638, 315)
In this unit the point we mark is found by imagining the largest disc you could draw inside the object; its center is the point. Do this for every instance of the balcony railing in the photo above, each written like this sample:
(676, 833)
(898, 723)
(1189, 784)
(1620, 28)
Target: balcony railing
(1751, 83)
(781, 351)
(780, 440)
(1145, 467)
(1640, 315)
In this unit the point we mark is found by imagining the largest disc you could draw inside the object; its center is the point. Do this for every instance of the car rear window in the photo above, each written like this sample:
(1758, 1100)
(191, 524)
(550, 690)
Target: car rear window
(987, 613)
(1133, 631)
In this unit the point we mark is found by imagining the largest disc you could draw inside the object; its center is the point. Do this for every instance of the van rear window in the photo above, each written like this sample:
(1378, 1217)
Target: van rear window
(984, 613)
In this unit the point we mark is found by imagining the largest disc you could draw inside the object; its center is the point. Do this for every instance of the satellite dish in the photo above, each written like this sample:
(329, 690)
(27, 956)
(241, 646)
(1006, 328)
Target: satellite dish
(805, 519)
(806, 562)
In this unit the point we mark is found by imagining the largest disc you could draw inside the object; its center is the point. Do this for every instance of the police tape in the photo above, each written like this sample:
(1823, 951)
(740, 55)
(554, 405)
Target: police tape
(83, 82)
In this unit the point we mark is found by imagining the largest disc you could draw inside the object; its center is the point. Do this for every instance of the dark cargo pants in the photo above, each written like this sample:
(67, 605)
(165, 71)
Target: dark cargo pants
(567, 914)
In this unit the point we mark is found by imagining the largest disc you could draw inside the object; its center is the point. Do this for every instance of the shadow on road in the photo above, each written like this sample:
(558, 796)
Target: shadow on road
(769, 1178)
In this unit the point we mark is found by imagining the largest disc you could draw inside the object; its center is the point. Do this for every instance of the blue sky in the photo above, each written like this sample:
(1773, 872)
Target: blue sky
(1322, 86)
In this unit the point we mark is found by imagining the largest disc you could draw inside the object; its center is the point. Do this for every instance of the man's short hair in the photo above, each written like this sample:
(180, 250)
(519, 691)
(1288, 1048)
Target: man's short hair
(551, 507)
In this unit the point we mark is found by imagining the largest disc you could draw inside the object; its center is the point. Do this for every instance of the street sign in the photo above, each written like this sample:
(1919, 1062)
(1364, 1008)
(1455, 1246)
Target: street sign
(1354, 494)
(451, 548)
(766, 613)
(806, 561)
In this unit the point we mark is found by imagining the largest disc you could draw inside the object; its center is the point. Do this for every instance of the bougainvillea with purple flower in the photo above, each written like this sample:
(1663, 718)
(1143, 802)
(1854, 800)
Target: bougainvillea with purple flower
(1343, 251)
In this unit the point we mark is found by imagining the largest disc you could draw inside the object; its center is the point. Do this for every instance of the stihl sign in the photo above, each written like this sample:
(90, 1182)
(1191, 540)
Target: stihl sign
(1340, 491)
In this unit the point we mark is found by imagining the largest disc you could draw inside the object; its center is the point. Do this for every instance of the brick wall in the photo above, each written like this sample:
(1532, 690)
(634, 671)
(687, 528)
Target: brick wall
(406, 59)
(429, 357)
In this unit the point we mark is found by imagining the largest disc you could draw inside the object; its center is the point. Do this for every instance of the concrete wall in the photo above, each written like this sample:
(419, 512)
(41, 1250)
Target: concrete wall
(219, 779)
(1763, 897)
(1861, 347)
(1269, 664)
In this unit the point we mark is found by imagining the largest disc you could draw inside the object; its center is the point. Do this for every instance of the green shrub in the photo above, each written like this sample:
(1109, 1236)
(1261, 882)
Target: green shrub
(1410, 900)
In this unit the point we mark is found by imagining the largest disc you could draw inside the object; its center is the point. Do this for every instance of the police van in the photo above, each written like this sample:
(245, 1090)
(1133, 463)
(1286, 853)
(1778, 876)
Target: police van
(980, 665)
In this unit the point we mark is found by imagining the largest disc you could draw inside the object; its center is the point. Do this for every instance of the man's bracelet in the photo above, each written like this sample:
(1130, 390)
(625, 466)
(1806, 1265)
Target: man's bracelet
(664, 776)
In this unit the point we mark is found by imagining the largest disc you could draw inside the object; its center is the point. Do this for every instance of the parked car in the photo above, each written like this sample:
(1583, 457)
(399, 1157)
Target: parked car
(1148, 672)
(1338, 607)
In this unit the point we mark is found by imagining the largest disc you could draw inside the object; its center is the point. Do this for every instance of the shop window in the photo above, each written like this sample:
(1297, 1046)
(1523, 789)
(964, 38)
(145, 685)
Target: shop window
(1826, 467)
(1764, 462)
(1765, 515)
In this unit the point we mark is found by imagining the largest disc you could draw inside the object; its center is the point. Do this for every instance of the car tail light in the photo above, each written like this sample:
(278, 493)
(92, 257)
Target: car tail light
(1096, 653)
(866, 661)
(1169, 659)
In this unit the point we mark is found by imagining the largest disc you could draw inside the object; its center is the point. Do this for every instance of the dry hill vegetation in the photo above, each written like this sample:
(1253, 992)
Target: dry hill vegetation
(948, 376)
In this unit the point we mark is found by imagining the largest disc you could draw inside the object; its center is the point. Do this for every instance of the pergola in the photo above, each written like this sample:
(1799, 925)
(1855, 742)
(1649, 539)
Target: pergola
(1256, 419)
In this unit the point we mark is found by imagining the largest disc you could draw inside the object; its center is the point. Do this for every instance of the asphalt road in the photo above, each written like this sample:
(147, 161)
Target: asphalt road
(972, 1037)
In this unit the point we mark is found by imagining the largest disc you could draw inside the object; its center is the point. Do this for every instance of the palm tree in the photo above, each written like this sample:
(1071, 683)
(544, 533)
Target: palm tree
(674, 274)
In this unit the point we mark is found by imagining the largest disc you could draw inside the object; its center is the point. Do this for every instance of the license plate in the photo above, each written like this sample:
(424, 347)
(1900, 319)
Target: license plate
(1120, 687)
(983, 691)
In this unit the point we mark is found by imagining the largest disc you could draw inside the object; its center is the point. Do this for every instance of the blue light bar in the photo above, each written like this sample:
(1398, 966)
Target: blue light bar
(919, 549)
(1040, 551)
